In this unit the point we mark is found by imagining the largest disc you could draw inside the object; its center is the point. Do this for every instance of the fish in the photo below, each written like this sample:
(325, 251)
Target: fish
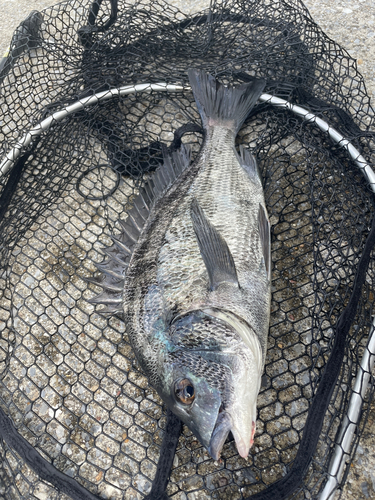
(190, 274)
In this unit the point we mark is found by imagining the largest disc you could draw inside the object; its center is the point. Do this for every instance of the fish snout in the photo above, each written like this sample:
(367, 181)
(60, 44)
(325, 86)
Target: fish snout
(242, 431)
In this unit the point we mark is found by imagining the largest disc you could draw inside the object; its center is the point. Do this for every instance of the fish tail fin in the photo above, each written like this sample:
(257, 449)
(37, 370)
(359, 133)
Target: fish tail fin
(221, 105)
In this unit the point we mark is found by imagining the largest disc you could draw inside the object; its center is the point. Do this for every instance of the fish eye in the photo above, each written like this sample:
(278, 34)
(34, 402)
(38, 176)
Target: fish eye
(184, 391)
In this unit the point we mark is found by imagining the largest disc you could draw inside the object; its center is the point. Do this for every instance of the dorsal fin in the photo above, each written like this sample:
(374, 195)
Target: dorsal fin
(265, 238)
(165, 176)
(113, 269)
(213, 248)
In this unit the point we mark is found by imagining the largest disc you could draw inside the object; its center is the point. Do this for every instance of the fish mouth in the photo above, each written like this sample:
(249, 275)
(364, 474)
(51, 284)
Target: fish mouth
(225, 424)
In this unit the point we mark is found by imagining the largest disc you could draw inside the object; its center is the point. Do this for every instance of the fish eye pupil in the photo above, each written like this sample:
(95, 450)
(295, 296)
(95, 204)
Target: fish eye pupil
(189, 391)
(184, 391)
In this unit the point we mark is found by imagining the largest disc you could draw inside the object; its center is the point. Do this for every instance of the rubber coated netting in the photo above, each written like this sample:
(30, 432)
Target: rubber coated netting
(85, 421)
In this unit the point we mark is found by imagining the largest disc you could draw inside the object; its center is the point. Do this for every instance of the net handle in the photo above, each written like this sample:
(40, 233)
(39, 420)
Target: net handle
(350, 422)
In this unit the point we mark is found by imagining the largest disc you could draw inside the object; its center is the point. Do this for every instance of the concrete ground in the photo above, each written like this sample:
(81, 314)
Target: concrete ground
(351, 23)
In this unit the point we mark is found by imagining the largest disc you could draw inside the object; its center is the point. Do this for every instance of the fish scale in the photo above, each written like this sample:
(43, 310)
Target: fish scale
(226, 187)
(229, 199)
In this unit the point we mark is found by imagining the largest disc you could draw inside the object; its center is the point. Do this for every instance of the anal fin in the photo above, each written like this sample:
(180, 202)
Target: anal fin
(249, 164)
(214, 249)
(265, 238)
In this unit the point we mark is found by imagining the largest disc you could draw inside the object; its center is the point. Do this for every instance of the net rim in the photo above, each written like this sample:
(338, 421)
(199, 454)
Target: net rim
(278, 102)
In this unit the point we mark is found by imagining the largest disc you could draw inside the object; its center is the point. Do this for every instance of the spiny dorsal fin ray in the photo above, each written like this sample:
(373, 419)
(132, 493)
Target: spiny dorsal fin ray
(167, 174)
(213, 248)
(265, 238)
(107, 298)
(125, 250)
(129, 231)
(105, 282)
(182, 159)
(118, 256)
(148, 193)
(136, 220)
(141, 208)
(113, 310)
(112, 303)
(112, 268)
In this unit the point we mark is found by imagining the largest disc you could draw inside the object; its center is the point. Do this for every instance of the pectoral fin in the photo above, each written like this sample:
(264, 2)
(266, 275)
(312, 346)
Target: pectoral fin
(214, 249)
(265, 238)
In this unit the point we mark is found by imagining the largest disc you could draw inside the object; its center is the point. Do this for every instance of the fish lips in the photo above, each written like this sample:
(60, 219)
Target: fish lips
(219, 435)
(225, 423)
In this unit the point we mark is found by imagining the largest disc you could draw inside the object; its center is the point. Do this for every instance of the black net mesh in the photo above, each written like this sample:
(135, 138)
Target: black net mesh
(69, 379)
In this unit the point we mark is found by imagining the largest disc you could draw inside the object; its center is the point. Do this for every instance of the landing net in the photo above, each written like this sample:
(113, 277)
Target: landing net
(76, 147)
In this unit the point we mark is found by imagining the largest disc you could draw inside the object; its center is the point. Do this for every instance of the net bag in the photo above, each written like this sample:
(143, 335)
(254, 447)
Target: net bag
(90, 95)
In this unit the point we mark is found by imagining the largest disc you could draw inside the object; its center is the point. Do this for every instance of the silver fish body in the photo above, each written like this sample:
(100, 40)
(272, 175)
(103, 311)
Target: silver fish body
(196, 292)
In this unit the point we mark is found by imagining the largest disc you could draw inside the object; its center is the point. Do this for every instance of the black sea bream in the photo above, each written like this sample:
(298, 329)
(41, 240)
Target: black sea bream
(191, 274)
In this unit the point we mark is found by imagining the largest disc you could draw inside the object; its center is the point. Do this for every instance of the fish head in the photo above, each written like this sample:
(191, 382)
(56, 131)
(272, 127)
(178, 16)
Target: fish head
(212, 385)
